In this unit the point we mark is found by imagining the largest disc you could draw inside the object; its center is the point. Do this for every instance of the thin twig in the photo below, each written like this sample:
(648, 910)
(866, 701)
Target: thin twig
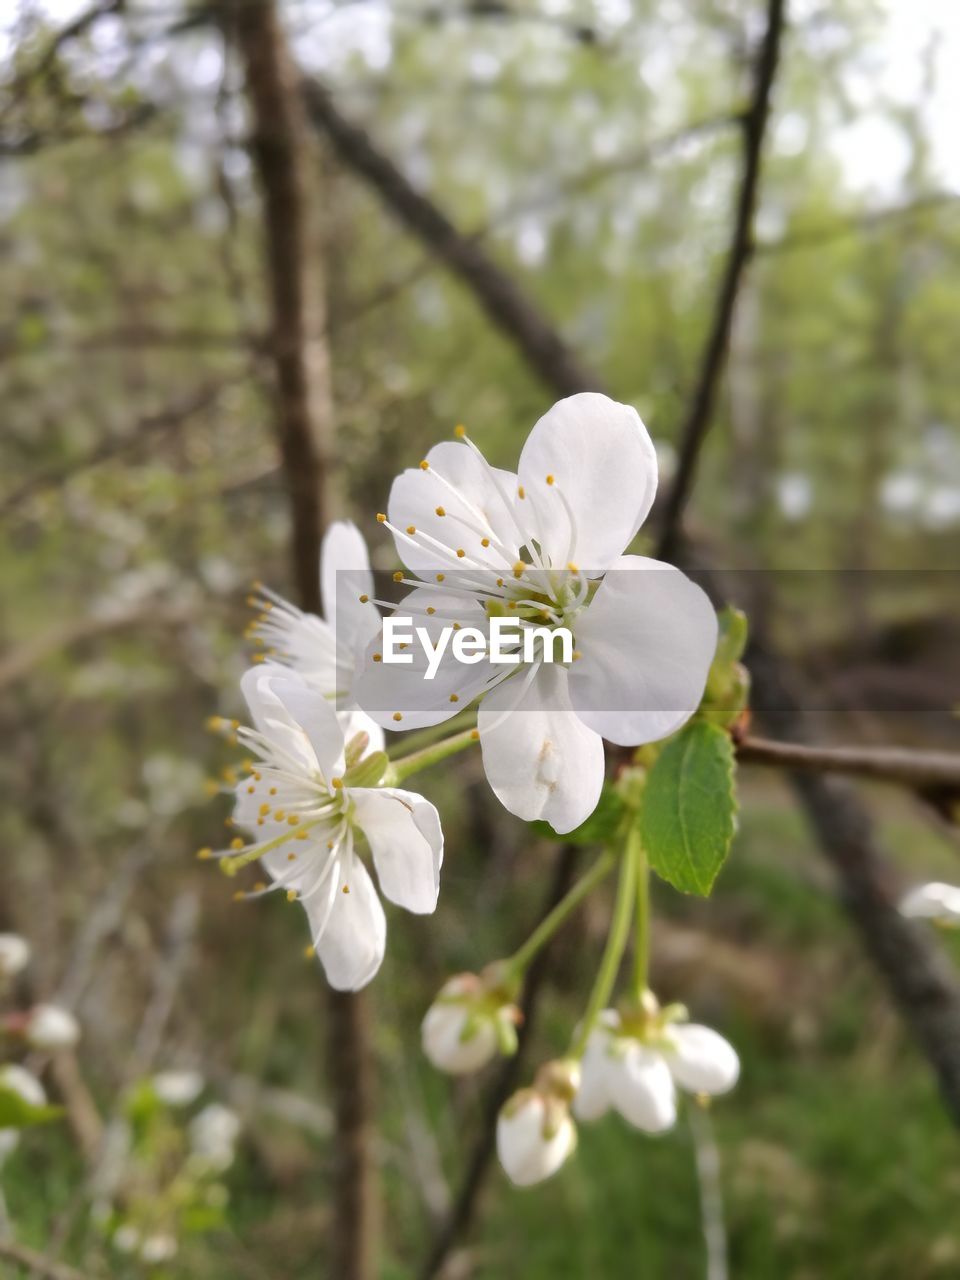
(699, 418)
(37, 1264)
(903, 765)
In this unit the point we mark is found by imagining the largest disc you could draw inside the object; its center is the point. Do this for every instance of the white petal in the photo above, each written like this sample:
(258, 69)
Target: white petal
(526, 1155)
(642, 1088)
(14, 954)
(316, 718)
(344, 577)
(702, 1062)
(592, 1099)
(934, 901)
(403, 831)
(603, 462)
(480, 506)
(353, 942)
(441, 1035)
(539, 758)
(23, 1083)
(383, 688)
(647, 640)
(50, 1027)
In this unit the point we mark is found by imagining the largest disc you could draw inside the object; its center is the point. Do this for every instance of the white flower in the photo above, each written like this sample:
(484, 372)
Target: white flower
(50, 1027)
(14, 954)
(213, 1135)
(545, 547)
(634, 1066)
(935, 901)
(126, 1238)
(306, 816)
(535, 1133)
(18, 1080)
(467, 1024)
(178, 1088)
(326, 651)
(160, 1247)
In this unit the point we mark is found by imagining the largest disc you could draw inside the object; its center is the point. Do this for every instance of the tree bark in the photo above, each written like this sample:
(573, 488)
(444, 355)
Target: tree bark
(280, 147)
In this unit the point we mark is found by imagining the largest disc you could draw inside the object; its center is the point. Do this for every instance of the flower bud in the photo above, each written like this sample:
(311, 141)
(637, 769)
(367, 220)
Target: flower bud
(213, 1135)
(178, 1088)
(535, 1133)
(160, 1247)
(50, 1027)
(934, 901)
(468, 1023)
(14, 954)
(18, 1080)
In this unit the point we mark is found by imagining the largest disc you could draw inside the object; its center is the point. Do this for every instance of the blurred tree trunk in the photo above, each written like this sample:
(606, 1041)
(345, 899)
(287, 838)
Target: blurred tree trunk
(280, 147)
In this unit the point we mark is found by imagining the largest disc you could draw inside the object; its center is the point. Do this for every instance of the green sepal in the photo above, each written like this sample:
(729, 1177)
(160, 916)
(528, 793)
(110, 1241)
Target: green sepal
(369, 772)
(17, 1113)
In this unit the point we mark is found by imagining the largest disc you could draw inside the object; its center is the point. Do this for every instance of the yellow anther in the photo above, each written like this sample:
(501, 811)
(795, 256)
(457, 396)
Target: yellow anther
(259, 657)
(460, 553)
(572, 567)
(441, 576)
(475, 735)
(577, 655)
(518, 569)
(424, 465)
(378, 657)
(364, 599)
(499, 582)
(211, 787)
(459, 430)
(234, 724)
(279, 814)
(511, 604)
(293, 820)
(204, 854)
(260, 822)
(381, 518)
(236, 843)
(550, 479)
(251, 790)
(265, 808)
(441, 511)
(521, 492)
(309, 952)
(228, 775)
(484, 542)
(454, 697)
(411, 528)
(346, 889)
(431, 610)
(456, 626)
(213, 723)
(239, 896)
(260, 886)
(398, 576)
(291, 857)
(329, 844)
(404, 645)
(291, 895)
(258, 776)
(273, 792)
(397, 716)
(301, 835)
(336, 783)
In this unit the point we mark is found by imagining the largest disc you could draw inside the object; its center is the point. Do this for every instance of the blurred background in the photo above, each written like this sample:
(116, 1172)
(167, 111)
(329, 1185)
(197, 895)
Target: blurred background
(593, 151)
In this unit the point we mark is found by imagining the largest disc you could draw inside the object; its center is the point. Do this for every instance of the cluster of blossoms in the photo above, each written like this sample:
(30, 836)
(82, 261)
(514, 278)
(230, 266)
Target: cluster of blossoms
(166, 1161)
(45, 1028)
(320, 796)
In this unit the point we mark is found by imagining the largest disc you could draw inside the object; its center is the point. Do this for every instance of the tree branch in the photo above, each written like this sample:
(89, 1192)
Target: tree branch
(36, 1264)
(304, 401)
(909, 768)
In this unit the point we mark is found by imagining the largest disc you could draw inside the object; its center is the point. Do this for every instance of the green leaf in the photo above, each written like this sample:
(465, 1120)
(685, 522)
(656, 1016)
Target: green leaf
(600, 828)
(687, 815)
(17, 1113)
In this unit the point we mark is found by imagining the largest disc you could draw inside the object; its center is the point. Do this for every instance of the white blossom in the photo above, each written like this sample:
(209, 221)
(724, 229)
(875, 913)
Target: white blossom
(126, 1238)
(157, 1248)
(545, 547)
(25, 1085)
(49, 1027)
(634, 1065)
(468, 1024)
(535, 1133)
(308, 815)
(934, 901)
(326, 651)
(213, 1135)
(178, 1088)
(14, 954)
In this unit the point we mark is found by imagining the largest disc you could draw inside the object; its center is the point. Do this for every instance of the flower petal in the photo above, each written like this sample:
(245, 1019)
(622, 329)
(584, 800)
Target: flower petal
(934, 901)
(642, 1088)
(316, 719)
(403, 831)
(476, 500)
(539, 758)
(603, 463)
(647, 639)
(351, 946)
(383, 688)
(344, 577)
(703, 1061)
(527, 1156)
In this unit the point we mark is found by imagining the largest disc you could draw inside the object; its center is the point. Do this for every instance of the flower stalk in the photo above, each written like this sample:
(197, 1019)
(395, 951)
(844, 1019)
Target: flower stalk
(417, 760)
(641, 956)
(555, 919)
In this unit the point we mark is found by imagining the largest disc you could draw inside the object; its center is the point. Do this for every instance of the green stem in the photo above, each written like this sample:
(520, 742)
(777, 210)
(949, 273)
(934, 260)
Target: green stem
(616, 942)
(641, 958)
(420, 738)
(551, 922)
(417, 760)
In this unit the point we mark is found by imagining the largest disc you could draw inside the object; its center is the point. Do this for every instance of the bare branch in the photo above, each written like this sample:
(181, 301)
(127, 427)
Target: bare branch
(698, 420)
(36, 1264)
(903, 765)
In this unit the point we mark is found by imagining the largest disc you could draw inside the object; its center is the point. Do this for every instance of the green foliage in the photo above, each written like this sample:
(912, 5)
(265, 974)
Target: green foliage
(688, 809)
(17, 1113)
(602, 827)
